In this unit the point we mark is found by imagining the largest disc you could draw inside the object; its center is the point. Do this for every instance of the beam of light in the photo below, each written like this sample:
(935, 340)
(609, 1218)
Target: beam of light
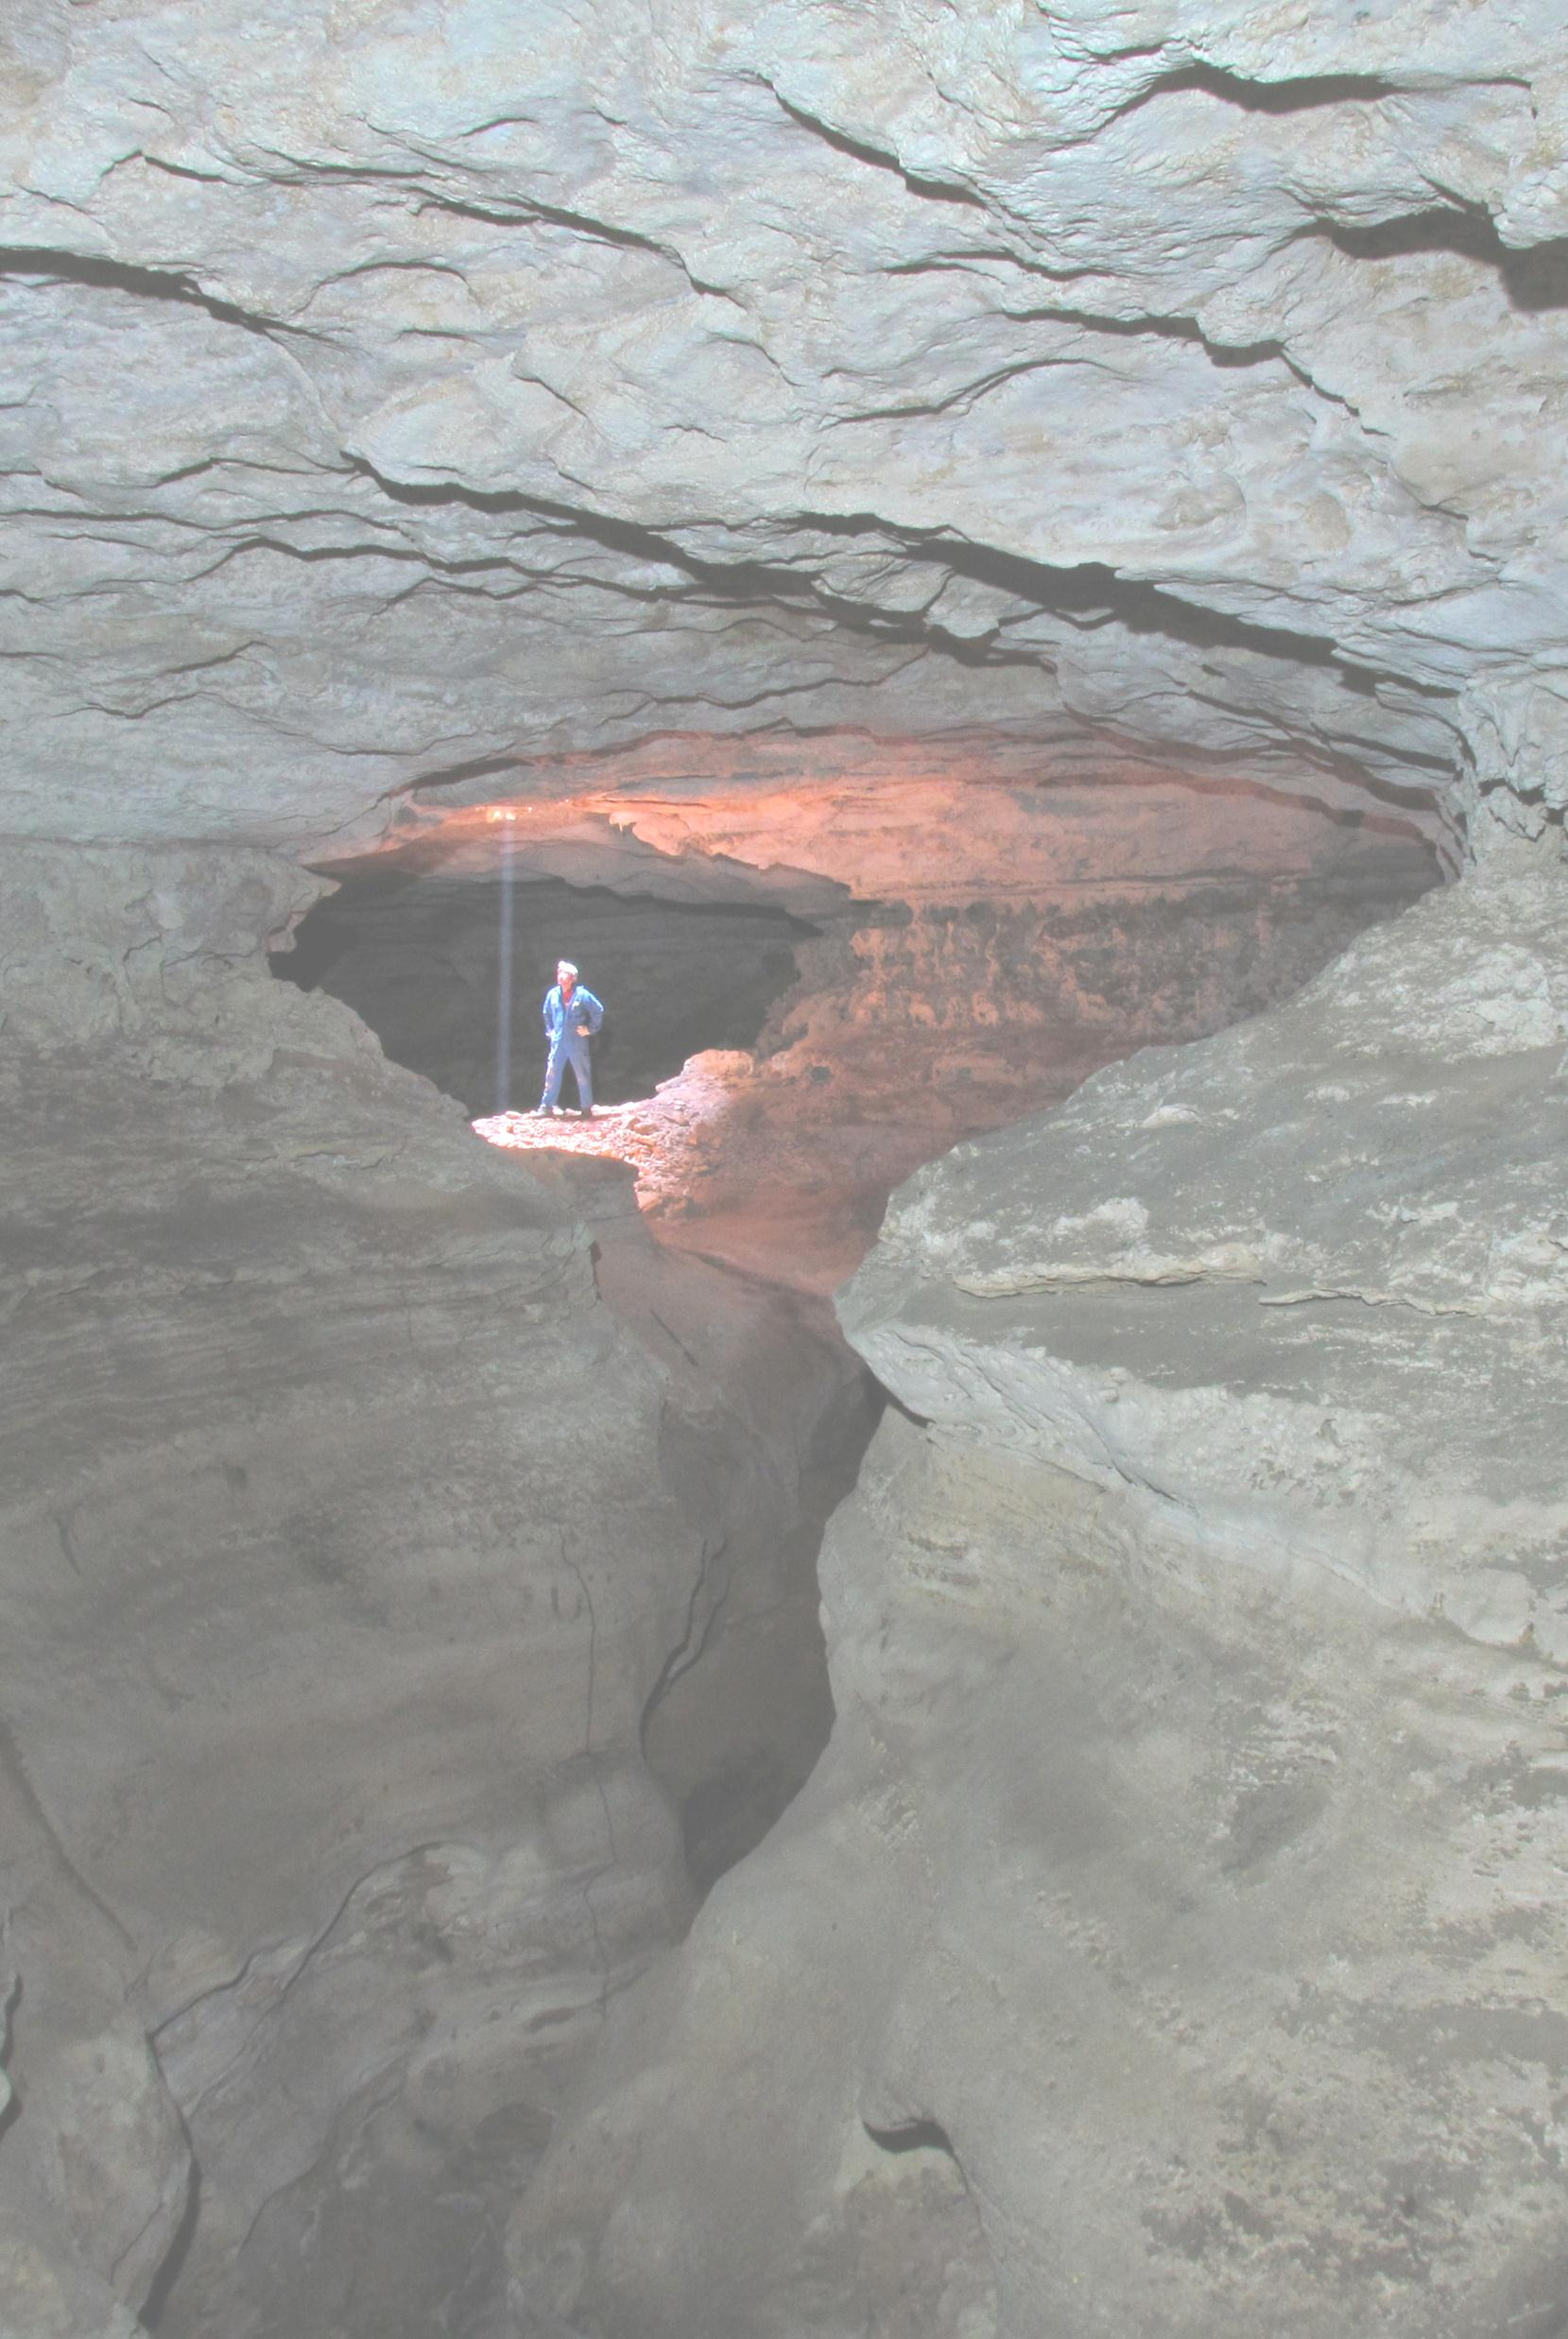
(504, 978)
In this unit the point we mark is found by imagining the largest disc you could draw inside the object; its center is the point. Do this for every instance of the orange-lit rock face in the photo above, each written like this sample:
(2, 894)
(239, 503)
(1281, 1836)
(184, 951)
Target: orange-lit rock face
(901, 819)
(989, 928)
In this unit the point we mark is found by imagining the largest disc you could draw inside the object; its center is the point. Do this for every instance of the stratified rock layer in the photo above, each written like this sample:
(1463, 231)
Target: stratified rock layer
(348, 1540)
(412, 387)
(1180, 1887)
(428, 395)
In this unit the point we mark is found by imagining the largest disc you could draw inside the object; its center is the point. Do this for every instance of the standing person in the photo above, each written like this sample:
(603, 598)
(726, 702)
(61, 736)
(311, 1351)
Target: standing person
(572, 1015)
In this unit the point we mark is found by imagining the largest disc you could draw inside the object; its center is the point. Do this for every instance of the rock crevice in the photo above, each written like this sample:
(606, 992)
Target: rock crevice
(1069, 505)
(328, 1699)
(1197, 1666)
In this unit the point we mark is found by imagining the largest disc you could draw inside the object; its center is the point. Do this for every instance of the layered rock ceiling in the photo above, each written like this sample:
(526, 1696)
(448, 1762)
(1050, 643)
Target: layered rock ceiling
(1045, 528)
(393, 388)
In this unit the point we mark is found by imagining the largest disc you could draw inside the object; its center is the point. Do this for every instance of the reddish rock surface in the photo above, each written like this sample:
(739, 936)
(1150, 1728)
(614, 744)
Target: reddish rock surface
(988, 934)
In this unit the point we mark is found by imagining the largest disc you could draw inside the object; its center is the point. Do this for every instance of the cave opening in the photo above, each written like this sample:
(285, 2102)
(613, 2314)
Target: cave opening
(416, 954)
(824, 967)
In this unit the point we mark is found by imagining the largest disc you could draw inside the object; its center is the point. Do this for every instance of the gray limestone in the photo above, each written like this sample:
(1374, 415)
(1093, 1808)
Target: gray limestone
(401, 395)
(1177, 1897)
(399, 386)
(349, 1536)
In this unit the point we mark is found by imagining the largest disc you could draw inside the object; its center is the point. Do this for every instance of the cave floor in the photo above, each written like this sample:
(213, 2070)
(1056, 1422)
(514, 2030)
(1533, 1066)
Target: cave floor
(766, 1172)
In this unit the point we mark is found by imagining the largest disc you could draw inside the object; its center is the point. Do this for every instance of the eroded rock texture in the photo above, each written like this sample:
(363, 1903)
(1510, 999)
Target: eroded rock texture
(415, 403)
(402, 385)
(1176, 1889)
(350, 1543)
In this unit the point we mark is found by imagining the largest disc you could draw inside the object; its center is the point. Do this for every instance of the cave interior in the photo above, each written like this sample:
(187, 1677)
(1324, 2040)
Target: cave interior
(910, 1685)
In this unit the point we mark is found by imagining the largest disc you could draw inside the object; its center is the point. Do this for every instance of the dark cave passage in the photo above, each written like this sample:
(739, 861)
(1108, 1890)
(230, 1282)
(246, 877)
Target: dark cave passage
(416, 954)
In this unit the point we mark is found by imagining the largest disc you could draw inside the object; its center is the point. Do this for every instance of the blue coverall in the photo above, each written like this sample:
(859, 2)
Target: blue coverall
(568, 1045)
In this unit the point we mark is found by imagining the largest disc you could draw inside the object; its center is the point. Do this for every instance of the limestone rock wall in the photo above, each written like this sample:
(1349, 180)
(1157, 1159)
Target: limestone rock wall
(1176, 1901)
(348, 1534)
(422, 397)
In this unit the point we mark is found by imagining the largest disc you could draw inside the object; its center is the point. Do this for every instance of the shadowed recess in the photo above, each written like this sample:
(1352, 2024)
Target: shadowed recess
(417, 957)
